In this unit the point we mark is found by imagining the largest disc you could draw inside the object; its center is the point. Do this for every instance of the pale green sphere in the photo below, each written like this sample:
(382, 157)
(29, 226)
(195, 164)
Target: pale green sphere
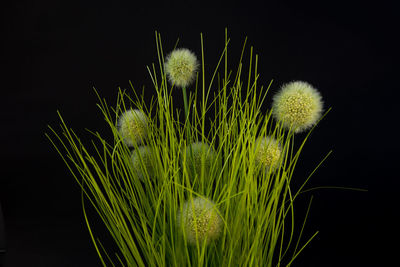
(200, 155)
(200, 221)
(143, 163)
(268, 153)
(133, 127)
(297, 105)
(181, 67)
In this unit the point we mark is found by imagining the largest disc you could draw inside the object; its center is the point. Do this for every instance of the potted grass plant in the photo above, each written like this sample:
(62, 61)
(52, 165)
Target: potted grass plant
(206, 185)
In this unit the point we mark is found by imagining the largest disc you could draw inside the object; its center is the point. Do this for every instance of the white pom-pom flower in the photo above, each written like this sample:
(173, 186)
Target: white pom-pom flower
(298, 106)
(133, 127)
(200, 221)
(181, 66)
(268, 153)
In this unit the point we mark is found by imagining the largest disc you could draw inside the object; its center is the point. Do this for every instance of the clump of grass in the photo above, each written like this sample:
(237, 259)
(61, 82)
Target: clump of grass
(215, 209)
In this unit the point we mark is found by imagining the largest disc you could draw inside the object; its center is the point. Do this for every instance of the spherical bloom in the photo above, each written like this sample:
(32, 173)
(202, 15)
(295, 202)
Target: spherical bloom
(199, 155)
(268, 153)
(181, 66)
(133, 127)
(143, 162)
(298, 106)
(200, 221)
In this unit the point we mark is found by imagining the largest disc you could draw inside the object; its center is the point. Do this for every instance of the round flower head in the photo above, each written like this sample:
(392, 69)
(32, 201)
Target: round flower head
(199, 155)
(181, 66)
(268, 153)
(200, 221)
(133, 127)
(298, 106)
(142, 161)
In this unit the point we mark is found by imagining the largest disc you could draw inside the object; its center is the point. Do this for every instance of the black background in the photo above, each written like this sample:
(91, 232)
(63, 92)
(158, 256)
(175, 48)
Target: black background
(54, 52)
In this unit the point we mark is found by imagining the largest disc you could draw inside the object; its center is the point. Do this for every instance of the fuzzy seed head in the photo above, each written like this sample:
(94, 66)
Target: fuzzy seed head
(200, 221)
(199, 155)
(133, 127)
(268, 152)
(142, 161)
(181, 66)
(297, 105)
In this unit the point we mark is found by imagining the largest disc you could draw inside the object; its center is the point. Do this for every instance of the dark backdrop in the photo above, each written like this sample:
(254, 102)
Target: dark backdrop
(54, 52)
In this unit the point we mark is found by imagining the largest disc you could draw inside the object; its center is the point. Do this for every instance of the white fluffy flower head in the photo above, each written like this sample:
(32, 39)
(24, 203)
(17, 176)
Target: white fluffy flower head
(268, 152)
(298, 106)
(181, 66)
(133, 127)
(200, 221)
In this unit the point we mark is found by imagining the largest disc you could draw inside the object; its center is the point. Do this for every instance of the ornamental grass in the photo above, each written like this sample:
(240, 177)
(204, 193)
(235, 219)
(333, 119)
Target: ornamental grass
(206, 185)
